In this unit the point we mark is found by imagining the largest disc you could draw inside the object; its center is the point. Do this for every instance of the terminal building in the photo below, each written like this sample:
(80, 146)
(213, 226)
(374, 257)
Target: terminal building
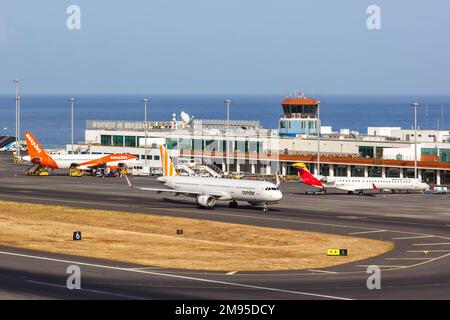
(245, 146)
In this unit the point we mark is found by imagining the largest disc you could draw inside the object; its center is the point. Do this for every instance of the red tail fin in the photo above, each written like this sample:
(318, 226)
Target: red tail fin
(307, 178)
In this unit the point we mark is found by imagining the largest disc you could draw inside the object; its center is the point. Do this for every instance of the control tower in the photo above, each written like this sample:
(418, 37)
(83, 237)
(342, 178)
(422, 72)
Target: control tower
(299, 116)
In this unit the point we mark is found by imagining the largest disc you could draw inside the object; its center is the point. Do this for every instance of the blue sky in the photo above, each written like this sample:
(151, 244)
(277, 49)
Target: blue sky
(233, 46)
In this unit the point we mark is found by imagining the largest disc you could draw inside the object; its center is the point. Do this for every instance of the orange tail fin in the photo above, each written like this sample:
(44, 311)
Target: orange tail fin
(35, 149)
(37, 152)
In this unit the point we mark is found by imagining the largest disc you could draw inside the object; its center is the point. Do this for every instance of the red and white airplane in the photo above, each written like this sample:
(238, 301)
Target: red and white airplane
(39, 158)
(358, 184)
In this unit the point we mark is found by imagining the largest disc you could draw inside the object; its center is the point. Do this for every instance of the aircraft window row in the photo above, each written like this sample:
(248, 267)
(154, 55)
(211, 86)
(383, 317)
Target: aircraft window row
(373, 180)
(271, 189)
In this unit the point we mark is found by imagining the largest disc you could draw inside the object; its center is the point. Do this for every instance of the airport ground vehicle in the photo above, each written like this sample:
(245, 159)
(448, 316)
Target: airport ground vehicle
(139, 170)
(207, 190)
(40, 172)
(440, 190)
(238, 175)
(75, 173)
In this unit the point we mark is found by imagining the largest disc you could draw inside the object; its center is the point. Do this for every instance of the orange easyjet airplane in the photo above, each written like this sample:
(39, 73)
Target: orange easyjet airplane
(38, 156)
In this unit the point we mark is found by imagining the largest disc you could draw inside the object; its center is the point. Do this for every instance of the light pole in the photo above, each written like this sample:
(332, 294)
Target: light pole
(16, 82)
(146, 100)
(228, 102)
(318, 137)
(415, 105)
(72, 101)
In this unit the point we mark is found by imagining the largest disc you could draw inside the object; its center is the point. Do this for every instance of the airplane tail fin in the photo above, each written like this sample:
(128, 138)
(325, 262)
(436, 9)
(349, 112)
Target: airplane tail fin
(306, 176)
(35, 150)
(167, 164)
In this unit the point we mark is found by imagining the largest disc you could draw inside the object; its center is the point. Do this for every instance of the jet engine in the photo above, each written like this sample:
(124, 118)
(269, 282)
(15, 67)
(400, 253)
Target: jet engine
(206, 201)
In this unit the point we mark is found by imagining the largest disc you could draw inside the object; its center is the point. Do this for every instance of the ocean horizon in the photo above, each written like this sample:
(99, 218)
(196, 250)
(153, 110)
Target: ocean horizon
(48, 116)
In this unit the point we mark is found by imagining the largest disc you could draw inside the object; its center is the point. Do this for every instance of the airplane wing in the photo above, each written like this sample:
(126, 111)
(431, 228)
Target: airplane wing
(176, 192)
(358, 187)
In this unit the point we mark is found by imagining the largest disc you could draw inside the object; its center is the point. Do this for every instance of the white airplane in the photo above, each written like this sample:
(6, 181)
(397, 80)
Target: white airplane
(208, 190)
(358, 184)
(39, 158)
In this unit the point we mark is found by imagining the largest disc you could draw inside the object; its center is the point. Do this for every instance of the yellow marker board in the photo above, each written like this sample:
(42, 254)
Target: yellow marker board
(333, 252)
(337, 252)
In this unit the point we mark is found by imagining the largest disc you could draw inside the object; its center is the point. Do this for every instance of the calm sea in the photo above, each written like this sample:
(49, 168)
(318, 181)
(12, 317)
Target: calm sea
(48, 117)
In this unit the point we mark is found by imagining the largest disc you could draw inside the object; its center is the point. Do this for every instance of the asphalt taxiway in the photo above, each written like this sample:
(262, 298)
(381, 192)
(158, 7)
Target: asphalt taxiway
(416, 223)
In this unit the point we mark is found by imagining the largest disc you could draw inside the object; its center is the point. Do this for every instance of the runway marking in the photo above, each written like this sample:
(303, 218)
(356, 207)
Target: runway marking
(381, 266)
(231, 273)
(323, 271)
(408, 258)
(160, 274)
(430, 251)
(366, 232)
(431, 244)
(87, 290)
(415, 237)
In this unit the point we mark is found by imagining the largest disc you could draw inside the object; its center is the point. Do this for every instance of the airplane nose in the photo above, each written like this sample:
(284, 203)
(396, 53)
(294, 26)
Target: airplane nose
(279, 196)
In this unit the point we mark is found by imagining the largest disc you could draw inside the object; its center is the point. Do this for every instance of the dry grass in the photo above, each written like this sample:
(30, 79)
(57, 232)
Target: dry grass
(152, 240)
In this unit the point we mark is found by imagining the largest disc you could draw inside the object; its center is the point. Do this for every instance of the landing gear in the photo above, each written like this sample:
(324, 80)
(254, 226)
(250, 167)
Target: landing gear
(233, 204)
(361, 193)
(350, 192)
(265, 209)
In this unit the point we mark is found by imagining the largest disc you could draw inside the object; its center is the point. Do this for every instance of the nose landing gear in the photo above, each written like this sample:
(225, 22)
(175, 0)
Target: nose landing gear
(233, 204)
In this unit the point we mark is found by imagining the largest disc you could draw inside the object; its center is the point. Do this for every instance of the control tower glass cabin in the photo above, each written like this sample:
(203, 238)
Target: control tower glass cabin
(299, 116)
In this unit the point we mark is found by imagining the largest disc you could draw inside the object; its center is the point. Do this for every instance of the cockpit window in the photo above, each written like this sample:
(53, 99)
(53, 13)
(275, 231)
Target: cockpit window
(272, 189)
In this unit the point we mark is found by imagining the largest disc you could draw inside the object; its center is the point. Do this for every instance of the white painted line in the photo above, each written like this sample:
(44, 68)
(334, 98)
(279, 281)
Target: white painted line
(160, 274)
(231, 273)
(323, 271)
(366, 232)
(381, 266)
(415, 237)
(429, 251)
(431, 244)
(409, 258)
(87, 290)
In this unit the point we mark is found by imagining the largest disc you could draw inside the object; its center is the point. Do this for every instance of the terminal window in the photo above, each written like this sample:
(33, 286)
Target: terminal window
(130, 141)
(105, 140)
(118, 141)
